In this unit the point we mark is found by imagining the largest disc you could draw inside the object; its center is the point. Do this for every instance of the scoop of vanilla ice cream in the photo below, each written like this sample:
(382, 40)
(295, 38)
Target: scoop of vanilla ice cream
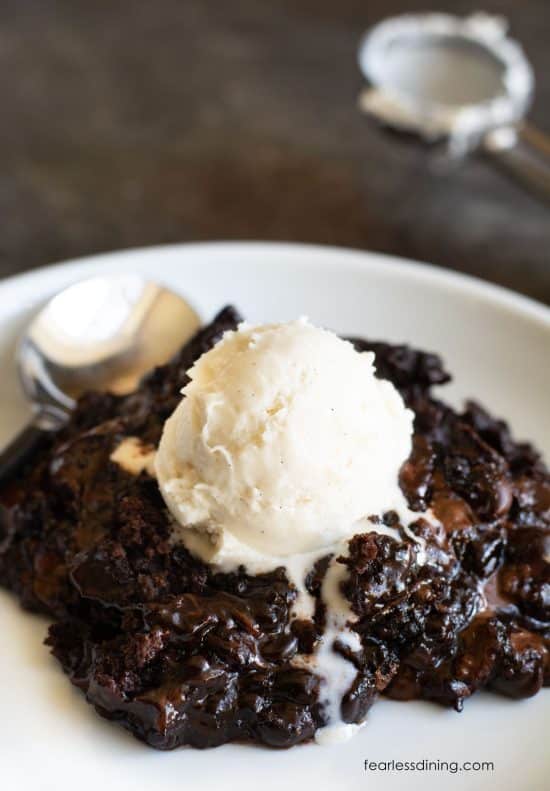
(283, 441)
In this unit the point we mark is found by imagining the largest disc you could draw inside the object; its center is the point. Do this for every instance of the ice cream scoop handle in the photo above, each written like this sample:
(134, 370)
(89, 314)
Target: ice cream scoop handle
(524, 153)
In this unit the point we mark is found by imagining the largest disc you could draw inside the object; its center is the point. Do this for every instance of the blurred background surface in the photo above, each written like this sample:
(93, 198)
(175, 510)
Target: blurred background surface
(131, 122)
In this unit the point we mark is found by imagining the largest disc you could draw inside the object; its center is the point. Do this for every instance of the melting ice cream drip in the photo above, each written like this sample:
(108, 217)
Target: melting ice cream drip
(337, 674)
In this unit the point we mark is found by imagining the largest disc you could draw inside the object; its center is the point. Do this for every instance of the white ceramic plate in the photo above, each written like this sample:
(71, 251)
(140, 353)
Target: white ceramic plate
(496, 344)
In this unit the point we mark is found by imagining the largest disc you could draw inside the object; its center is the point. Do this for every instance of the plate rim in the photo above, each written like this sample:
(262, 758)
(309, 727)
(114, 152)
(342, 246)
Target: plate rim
(357, 258)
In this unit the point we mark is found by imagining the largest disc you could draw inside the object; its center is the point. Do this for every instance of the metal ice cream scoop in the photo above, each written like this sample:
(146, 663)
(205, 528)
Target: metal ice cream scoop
(104, 333)
(460, 79)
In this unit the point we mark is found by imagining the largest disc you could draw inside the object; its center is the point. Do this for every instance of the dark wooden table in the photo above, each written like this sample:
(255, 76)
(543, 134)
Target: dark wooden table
(132, 122)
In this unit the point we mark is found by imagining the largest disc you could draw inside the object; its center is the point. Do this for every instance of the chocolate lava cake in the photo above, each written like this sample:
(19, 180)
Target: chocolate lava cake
(180, 654)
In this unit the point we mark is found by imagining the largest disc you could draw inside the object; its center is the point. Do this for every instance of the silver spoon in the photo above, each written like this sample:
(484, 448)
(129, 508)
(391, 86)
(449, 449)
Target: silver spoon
(460, 79)
(104, 333)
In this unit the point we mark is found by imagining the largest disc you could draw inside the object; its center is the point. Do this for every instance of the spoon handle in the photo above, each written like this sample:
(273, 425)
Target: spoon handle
(27, 442)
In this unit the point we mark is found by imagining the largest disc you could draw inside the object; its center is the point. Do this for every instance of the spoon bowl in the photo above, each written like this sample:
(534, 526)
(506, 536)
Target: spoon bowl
(103, 333)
